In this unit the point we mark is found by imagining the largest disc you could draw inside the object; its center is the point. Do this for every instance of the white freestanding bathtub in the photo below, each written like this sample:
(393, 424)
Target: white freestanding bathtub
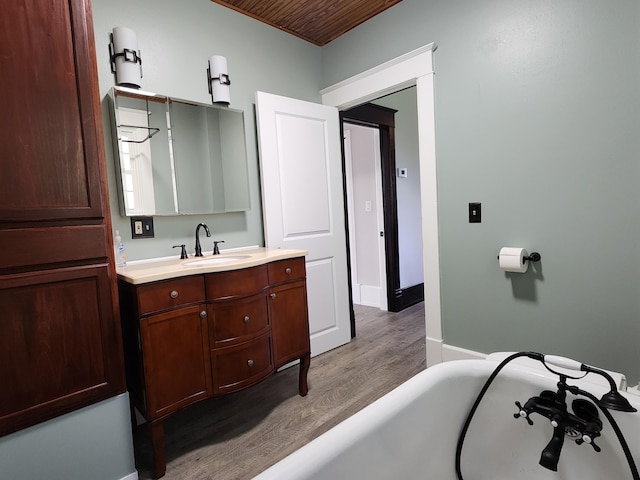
(412, 433)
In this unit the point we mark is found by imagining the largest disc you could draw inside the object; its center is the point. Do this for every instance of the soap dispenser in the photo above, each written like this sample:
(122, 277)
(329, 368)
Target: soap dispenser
(118, 247)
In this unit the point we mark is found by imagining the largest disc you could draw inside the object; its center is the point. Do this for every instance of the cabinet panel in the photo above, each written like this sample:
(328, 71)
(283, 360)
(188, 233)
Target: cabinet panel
(238, 320)
(49, 135)
(236, 283)
(289, 322)
(175, 350)
(242, 365)
(57, 336)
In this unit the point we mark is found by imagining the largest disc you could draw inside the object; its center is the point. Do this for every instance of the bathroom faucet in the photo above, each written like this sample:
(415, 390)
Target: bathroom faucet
(198, 247)
(583, 425)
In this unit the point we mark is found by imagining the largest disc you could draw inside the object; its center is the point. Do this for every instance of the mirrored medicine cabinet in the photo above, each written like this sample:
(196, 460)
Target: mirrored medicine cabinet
(177, 157)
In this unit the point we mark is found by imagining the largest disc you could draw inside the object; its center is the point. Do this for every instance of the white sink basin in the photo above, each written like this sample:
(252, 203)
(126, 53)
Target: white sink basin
(213, 261)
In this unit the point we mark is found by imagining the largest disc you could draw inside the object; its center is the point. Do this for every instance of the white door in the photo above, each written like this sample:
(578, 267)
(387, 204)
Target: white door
(303, 205)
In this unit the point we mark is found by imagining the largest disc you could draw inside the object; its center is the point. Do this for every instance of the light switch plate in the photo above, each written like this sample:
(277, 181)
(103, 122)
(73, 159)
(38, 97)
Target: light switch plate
(475, 213)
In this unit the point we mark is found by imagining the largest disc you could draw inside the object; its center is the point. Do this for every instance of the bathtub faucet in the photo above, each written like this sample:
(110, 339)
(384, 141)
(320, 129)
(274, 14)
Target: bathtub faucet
(583, 425)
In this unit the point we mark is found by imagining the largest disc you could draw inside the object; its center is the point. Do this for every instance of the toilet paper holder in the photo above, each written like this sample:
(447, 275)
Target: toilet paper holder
(533, 257)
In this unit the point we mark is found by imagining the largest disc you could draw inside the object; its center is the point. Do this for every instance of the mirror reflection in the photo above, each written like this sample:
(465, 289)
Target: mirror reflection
(178, 157)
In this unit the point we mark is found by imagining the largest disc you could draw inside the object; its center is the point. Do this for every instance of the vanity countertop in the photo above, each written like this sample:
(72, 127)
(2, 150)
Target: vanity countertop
(146, 271)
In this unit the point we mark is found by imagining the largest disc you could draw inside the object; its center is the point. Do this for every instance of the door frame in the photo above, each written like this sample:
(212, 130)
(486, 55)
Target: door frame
(412, 68)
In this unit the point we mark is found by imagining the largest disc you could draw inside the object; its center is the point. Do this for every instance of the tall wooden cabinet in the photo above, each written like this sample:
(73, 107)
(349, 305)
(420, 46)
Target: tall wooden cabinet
(60, 342)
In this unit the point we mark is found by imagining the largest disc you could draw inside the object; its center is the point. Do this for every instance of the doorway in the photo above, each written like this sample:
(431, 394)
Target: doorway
(401, 276)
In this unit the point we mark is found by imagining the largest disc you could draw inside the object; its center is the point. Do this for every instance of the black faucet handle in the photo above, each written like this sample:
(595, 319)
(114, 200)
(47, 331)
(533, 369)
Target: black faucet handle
(216, 249)
(522, 413)
(183, 251)
(586, 438)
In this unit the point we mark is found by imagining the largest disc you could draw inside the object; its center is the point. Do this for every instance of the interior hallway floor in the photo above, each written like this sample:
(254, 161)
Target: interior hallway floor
(240, 435)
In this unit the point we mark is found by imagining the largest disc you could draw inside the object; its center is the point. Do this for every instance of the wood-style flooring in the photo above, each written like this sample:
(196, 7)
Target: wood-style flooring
(240, 435)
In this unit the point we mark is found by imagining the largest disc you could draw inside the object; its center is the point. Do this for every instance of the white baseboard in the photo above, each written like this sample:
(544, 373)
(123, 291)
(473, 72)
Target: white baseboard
(131, 476)
(450, 352)
(370, 296)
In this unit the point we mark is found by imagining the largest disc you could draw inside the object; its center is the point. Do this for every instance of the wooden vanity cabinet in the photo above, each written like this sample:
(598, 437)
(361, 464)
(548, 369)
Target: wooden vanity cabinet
(190, 338)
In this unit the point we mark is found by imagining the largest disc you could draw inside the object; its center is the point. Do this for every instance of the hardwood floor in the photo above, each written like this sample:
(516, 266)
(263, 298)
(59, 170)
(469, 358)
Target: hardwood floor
(242, 434)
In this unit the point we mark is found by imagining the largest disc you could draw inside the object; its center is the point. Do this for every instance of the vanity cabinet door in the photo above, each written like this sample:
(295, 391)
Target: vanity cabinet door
(289, 322)
(175, 350)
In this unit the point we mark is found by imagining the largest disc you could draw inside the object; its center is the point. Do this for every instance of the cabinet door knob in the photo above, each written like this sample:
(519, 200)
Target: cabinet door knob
(273, 295)
(287, 271)
(174, 294)
(250, 363)
(246, 319)
(203, 314)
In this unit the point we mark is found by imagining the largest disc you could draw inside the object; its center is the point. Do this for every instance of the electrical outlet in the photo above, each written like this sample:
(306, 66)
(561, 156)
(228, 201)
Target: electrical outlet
(142, 227)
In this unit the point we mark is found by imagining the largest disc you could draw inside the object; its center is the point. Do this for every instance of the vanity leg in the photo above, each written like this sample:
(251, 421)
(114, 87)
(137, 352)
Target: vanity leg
(157, 442)
(304, 369)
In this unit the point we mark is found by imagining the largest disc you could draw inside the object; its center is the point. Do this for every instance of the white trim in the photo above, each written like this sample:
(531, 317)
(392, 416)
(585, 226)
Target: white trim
(413, 68)
(388, 77)
(131, 476)
(434, 351)
(451, 352)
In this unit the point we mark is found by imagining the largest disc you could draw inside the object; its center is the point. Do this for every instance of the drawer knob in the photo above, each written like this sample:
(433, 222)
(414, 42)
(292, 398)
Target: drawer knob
(250, 363)
(287, 271)
(203, 314)
(273, 295)
(246, 319)
(174, 294)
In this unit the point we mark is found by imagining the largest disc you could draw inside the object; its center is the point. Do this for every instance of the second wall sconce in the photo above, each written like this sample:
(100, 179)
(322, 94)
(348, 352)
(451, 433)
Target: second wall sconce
(125, 58)
(218, 79)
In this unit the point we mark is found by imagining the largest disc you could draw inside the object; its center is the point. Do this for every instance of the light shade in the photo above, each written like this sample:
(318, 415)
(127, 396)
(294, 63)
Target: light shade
(125, 58)
(219, 81)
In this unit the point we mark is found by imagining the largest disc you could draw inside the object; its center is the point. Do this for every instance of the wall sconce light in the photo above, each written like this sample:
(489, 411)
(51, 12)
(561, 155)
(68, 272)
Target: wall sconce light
(125, 58)
(218, 79)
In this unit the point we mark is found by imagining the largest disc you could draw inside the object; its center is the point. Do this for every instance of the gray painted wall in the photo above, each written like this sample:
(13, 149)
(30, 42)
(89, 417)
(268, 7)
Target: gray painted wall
(537, 118)
(92, 443)
(176, 40)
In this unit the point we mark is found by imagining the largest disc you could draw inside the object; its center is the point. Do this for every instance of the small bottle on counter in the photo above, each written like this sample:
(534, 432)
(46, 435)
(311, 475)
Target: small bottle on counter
(118, 246)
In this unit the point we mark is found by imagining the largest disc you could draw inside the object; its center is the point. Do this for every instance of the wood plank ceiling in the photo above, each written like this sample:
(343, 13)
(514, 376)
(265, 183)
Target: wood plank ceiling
(316, 21)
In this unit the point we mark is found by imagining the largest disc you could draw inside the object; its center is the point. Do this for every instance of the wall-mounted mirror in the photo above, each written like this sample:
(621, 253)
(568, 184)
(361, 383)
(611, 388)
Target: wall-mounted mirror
(178, 157)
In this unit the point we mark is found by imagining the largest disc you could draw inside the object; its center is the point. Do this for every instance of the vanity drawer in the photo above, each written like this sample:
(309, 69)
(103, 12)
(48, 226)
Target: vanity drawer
(238, 320)
(284, 270)
(239, 366)
(236, 283)
(172, 293)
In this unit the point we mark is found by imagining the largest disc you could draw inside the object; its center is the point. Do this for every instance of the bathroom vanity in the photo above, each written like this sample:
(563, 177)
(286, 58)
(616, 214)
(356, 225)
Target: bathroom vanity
(195, 329)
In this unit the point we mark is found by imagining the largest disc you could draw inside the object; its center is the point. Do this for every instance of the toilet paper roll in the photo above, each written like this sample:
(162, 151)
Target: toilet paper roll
(511, 259)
